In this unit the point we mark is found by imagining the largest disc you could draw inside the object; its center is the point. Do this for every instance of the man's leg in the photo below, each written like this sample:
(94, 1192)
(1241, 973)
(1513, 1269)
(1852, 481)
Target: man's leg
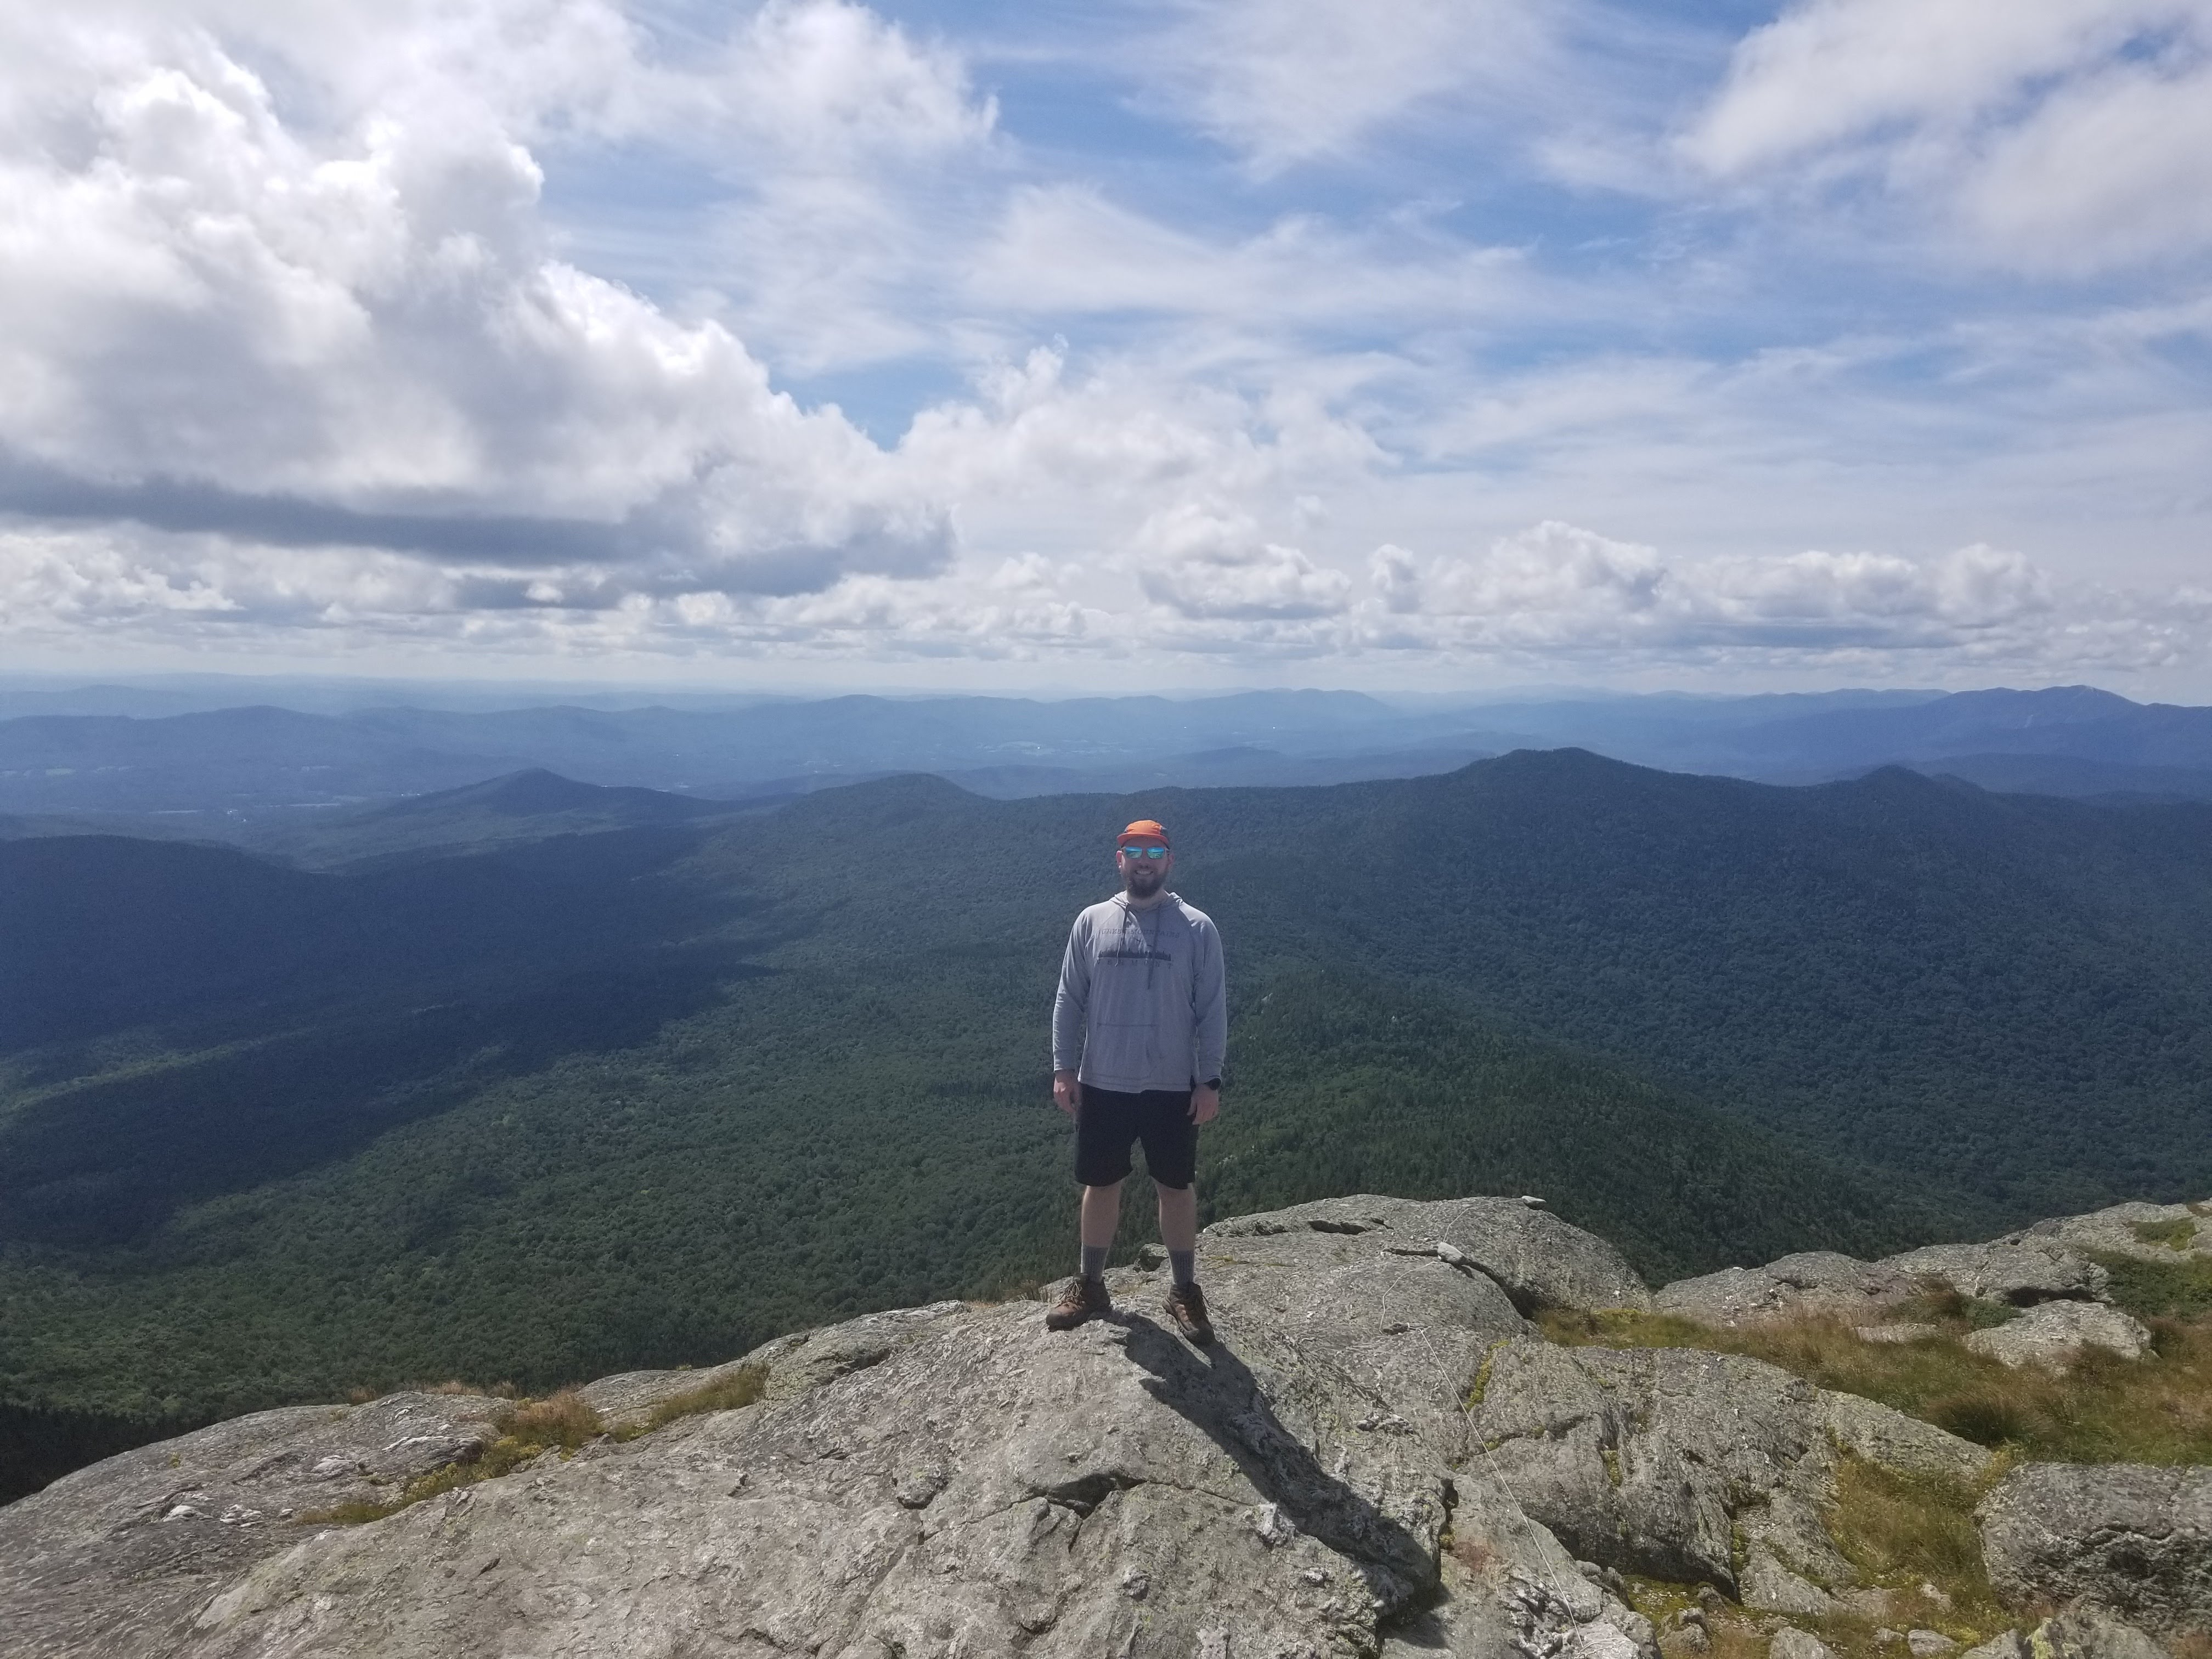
(1101, 1214)
(1086, 1297)
(1179, 1228)
(1186, 1302)
(1171, 1155)
(1103, 1129)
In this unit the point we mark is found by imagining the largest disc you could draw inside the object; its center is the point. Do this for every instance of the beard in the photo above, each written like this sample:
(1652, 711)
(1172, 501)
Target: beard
(1143, 880)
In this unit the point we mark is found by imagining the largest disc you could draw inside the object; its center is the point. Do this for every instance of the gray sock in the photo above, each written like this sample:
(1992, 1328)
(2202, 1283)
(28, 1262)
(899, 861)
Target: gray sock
(1094, 1260)
(1184, 1264)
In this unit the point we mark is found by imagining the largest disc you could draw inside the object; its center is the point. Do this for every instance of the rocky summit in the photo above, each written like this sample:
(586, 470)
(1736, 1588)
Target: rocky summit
(1382, 1453)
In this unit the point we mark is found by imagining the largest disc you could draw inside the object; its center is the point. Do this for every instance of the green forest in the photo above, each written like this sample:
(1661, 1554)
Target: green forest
(543, 1110)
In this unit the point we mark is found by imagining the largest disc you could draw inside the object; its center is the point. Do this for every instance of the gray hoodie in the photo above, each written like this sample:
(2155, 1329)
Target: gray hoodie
(1142, 1002)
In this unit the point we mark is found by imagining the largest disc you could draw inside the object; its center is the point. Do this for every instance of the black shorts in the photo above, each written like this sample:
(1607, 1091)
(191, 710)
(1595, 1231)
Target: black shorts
(1108, 1121)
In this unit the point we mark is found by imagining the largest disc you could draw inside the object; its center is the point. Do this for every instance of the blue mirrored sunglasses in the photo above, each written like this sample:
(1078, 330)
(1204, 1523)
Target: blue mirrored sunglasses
(1134, 851)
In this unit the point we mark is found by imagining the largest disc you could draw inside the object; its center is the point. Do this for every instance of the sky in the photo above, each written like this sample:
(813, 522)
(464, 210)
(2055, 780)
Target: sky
(1403, 345)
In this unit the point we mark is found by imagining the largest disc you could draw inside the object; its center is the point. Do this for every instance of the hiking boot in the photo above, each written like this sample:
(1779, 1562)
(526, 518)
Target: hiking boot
(1086, 1299)
(1186, 1305)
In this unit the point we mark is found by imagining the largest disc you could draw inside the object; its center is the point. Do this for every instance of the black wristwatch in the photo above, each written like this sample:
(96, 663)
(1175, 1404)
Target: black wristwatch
(1214, 1084)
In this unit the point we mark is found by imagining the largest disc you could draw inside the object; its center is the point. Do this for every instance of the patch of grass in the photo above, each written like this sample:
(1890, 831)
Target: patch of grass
(1624, 1328)
(2175, 1235)
(560, 1423)
(1952, 1310)
(2180, 1289)
(1731, 1631)
(1914, 1537)
(1981, 1415)
(347, 1515)
(1735, 1638)
(2104, 1409)
(741, 1387)
(1659, 1599)
(1903, 1531)
(566, 1420)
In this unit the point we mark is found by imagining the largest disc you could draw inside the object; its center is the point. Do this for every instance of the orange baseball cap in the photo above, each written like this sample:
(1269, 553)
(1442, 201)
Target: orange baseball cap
(1145, 830)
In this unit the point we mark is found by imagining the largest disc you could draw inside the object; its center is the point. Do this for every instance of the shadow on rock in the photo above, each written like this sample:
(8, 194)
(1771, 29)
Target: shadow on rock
(1217, 1392)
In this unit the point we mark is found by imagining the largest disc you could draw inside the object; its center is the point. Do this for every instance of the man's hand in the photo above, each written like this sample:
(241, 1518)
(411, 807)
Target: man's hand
(1063, 1092)
(1204, 1103)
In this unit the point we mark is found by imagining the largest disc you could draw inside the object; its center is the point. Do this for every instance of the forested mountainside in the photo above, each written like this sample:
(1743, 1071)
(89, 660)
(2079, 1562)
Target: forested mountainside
(649, 1094)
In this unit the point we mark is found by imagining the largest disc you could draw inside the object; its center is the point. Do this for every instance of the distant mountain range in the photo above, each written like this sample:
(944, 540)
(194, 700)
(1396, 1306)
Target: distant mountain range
(258, 761)
(534, 804)
(244, 773)
(541, 1078)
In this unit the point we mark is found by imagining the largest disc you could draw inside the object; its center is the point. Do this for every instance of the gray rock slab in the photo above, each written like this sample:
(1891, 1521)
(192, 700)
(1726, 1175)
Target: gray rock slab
(948, 1479)
(793, 1363)
(117, 1557)
(2051, 1335)
(2045, 1262)
(1814, 1282)
(1379, 1455)
(1650, 1461)
(1896, 1441)
(2089, 1633)
(2022, 1267)
(1540, 1261)
(1873, 1604)
(1791, 1643)
(1487, 1609)
(987, 1487)
(1767, 1586)
(2133, 1539)
(2114, 1229)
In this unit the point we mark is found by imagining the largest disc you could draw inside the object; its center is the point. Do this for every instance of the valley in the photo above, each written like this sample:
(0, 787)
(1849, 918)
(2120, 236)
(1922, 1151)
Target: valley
(654, 1086)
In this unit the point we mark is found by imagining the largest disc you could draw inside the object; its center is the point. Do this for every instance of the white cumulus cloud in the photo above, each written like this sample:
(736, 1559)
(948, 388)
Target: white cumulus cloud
(475, 325)
(1208, 565)
(2070, 135)
(227, 316)
(1556, 590)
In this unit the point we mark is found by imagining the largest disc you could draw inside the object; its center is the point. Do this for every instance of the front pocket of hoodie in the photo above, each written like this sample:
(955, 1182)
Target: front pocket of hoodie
(1120, 998)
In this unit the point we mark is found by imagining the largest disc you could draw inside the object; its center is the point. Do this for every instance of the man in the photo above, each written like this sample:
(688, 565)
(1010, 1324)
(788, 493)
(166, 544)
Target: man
(1138, 1030)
